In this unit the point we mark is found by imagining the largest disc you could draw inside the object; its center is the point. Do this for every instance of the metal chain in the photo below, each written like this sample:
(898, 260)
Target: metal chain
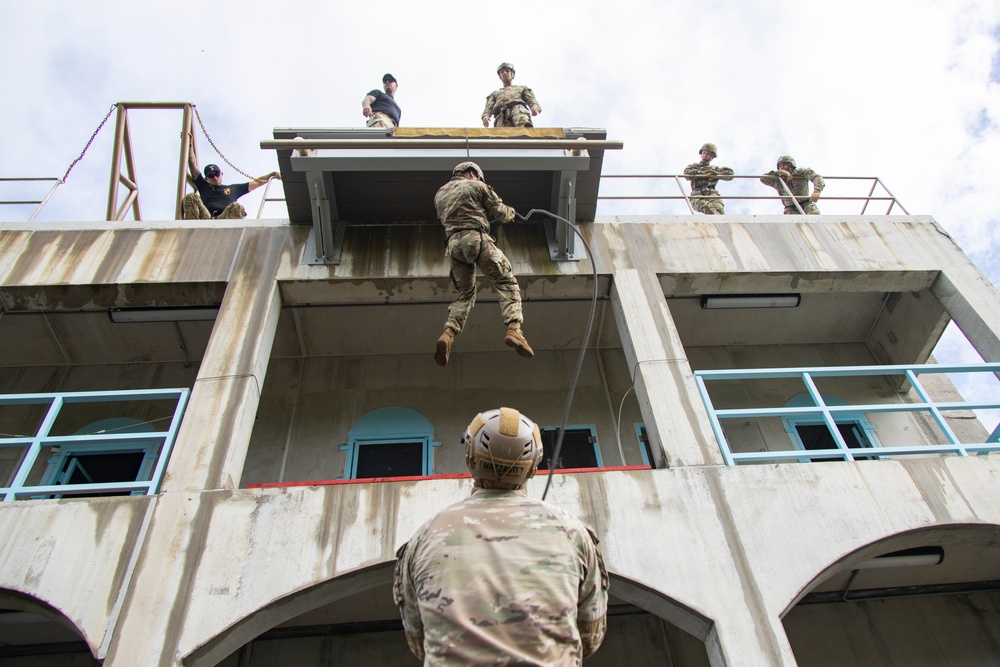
(92, 137)
(216, 148)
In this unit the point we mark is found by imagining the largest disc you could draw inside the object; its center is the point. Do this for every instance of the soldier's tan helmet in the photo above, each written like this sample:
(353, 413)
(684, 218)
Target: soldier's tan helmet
(502, 447)
(786, 159)
(463, 167)
(711, 148)
(508, 66)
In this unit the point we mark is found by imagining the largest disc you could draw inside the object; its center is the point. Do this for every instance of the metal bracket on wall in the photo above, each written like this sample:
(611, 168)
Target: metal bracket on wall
(560, 237)
(327, 239)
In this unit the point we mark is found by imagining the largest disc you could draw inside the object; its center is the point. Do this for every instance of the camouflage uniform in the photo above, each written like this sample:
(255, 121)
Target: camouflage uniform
(512, 106)
(462, 206)
(193, 208)
(703, 178)
(502, 579)
(799, 185)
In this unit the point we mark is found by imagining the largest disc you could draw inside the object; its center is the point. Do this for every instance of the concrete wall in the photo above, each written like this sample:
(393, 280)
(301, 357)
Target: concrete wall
(309, 405)
(721, 553)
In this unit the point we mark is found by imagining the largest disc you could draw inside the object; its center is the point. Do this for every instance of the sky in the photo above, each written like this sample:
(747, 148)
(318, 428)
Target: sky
(906, 90)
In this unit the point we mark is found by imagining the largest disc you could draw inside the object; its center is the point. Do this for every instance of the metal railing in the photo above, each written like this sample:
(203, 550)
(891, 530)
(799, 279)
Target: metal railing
(684, 188)
(29, 480)
(37, 203)
(824, 413)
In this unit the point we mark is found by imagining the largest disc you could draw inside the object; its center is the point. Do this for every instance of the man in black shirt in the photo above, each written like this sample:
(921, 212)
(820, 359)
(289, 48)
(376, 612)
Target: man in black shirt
(213, 199)
(381, 109)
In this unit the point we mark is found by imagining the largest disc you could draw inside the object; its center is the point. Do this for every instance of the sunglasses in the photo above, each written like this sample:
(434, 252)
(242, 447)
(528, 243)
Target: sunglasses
(213, 174)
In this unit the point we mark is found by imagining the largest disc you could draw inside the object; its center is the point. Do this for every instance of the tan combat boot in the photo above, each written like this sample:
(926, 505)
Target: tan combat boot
(515, 339)
(443, 350)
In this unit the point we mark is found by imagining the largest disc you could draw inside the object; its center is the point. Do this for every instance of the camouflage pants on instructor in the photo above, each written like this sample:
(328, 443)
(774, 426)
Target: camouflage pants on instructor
(471, 249)
(193, 208)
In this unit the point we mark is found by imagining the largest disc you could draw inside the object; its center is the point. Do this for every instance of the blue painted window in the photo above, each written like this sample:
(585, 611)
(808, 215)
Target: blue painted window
(812, 433)
(99, 463)
(579, 448)
(647, 454)
(390, 442)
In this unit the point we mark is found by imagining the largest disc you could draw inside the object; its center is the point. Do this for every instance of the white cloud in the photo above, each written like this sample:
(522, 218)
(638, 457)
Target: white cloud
(903, 89)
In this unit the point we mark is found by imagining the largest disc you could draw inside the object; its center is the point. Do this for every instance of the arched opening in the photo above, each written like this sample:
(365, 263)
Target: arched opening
(928, 596)
(390, 442)
(36, 634)
(353, 620)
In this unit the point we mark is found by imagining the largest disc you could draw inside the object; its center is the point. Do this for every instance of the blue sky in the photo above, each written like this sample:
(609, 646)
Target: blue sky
(907, 90)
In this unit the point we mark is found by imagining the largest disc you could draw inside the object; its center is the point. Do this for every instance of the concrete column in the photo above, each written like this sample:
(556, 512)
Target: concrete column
(212, 443)
(664, 384)
(974, 304)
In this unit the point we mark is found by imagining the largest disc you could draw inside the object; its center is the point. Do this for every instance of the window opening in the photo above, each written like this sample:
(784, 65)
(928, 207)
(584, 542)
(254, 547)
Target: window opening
(390, 442)
(579, 448)
(100, 463)
(647, 453)
(811, 433)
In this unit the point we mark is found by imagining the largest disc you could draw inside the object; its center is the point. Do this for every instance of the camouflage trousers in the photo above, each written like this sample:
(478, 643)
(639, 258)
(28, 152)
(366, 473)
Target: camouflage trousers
(713, 206)
(379, 119)
(808, 207)
(468, 250)
(192, 208)
(516, 115)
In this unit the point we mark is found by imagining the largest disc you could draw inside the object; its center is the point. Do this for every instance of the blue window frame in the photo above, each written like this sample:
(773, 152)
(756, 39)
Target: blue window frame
(121, 461)
(390, 442)
(640, 433)
(812, 433)
(579, 448)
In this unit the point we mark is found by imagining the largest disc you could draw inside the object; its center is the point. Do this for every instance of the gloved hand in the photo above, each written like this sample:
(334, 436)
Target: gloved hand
(814, 197)
(784, 174)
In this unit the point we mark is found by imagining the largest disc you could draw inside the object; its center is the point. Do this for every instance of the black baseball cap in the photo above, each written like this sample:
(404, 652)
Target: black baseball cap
(212, 170)
(388, 77)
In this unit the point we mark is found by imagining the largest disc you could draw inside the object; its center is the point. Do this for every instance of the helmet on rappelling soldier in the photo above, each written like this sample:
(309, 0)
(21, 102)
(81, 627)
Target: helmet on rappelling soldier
(463, 167)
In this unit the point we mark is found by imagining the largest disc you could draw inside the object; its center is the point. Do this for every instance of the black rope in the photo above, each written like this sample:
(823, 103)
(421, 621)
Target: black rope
(583, 345)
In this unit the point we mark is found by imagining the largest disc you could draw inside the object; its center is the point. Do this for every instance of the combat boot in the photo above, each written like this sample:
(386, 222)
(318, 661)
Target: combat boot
(443, 350)
(516, 340)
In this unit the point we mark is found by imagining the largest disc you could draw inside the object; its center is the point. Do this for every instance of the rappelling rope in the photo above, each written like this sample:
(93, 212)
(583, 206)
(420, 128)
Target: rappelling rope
(583, 345)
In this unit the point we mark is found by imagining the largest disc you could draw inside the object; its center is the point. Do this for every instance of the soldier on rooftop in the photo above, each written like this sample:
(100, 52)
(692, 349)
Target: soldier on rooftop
(510, 106)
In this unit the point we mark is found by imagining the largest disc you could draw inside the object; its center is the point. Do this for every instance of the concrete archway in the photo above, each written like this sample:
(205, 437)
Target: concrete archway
(677, 627)
(892, 602)
(30, 626)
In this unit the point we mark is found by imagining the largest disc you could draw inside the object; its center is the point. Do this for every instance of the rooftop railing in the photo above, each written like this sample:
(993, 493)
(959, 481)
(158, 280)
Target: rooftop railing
(836, 417)
(37, 203)
(862, 190)
(117, 456)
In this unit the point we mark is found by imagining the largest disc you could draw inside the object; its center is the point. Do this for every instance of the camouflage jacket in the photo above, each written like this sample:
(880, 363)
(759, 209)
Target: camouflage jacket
(709, 175)
(498, 100)
(799, 184)
(502, 579)
(465, 204)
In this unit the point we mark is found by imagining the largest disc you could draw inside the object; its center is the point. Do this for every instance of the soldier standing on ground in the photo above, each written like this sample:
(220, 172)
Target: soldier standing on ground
(213, 199)
(512, 106)
(380, 108)
(501, 578)
(703, 177)
(465, 205)
(797, 181)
